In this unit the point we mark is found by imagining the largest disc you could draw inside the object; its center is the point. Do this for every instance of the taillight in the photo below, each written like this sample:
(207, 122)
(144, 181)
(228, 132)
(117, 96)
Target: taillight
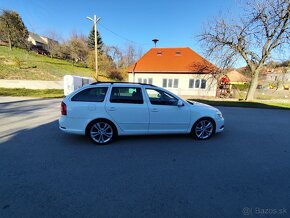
(63, 108)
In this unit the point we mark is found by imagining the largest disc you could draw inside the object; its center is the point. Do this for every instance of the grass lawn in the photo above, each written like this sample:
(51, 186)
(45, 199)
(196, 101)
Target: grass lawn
(22, 64)
(39, 93)
(254, 104)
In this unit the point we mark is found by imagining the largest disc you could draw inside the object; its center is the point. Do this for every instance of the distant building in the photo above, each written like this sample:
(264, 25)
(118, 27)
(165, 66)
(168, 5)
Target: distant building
(236, 77)
(180, 70)
(40, 43)
(279, 77)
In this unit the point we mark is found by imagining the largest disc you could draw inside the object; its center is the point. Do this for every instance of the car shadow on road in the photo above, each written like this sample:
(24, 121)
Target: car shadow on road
(50, 135)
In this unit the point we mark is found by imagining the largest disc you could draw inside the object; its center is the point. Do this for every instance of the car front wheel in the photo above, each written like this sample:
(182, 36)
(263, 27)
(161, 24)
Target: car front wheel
(101, 132)
(203, 129)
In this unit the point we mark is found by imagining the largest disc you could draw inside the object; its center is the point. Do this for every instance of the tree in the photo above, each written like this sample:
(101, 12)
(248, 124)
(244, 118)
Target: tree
(12, 29)
(130, 56)
(91, 41)
(105, 62)
(77, 47)
(263, 27)
(116, 54)
(54, 47)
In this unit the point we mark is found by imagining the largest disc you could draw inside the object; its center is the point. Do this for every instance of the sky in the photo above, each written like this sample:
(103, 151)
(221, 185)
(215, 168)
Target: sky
(175, 23)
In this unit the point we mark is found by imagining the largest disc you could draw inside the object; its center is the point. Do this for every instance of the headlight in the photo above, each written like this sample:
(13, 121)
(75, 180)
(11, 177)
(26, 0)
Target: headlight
(219, 114)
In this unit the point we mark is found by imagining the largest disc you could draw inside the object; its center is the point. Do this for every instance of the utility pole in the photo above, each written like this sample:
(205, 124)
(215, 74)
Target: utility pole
(95, 20)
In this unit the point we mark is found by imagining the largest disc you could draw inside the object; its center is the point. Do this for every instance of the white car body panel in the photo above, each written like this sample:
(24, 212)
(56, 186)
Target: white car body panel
(136, 119)
(132, 119)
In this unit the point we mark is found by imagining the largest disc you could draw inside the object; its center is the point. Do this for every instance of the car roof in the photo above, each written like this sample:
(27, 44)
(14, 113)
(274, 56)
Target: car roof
(121, 84)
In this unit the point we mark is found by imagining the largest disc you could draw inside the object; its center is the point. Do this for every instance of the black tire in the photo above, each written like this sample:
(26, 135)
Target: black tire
(101, 132)
(203, 129)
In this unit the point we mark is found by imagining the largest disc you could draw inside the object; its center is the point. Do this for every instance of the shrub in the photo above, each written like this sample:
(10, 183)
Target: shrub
(115, 74)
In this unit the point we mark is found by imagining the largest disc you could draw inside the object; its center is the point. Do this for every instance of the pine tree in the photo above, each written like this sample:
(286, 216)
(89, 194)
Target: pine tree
(91, 41)
(12, 29)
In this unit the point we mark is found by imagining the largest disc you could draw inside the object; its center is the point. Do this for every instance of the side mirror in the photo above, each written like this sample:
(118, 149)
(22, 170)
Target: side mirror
(180, 103)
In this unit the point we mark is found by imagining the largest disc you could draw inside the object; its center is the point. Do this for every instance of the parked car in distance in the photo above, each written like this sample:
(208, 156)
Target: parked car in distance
(104, 110)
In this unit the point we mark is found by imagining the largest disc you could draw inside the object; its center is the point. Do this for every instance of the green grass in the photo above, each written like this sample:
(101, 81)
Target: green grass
(39, 93)
(22, 64)
(254, 104)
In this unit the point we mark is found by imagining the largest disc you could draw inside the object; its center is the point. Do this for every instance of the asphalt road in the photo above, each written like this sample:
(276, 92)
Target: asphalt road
(245, 171)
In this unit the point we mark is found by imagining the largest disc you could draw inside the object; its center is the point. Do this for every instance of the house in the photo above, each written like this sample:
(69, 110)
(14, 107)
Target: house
(236, 77)
(40, 43)
(180, 70)
(274, 76)
(280, 77)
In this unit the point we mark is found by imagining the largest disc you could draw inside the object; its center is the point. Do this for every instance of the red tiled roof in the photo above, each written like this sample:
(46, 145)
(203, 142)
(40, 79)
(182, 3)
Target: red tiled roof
(172, 60)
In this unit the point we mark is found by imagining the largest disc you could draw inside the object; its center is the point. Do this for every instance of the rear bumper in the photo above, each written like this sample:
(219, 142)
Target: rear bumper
(64, 123)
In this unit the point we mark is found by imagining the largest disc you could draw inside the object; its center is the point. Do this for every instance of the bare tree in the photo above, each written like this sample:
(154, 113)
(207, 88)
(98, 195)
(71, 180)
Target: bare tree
(116, 54)
(130, 55)
(54, 47)
(78, 48)
(262, 28)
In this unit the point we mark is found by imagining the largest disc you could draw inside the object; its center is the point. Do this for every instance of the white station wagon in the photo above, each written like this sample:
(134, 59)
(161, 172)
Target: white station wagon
(104, 110)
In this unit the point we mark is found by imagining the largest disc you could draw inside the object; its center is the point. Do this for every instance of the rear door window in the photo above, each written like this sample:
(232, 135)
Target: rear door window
(91, 95)
(130, 95)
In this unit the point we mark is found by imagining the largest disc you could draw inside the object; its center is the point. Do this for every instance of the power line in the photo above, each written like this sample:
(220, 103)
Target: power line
(122, 37)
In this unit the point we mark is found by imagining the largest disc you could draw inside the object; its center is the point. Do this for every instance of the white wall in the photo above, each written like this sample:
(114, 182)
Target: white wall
(31, 84)
(183, 84)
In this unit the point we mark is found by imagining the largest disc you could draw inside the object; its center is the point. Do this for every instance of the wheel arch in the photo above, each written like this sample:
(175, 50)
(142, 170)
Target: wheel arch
(102, 119)
(202, 118)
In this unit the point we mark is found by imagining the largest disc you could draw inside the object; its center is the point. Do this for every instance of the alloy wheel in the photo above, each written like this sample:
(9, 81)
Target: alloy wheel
(204, 129)
(101, 132)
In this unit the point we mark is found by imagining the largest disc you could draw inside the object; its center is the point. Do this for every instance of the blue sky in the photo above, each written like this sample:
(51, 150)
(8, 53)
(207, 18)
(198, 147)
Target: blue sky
(174, 23)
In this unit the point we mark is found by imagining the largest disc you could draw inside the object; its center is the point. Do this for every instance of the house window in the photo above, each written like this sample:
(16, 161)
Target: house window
(191, 83)
(197, 83)
(203, 84)
(178, 53)
(164, 83)
(145, 80)
(169, 83)
(175, 84)
(159, 53)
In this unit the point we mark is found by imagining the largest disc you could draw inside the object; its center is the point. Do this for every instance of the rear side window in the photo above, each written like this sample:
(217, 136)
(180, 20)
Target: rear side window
(126, 95)
(91, 95)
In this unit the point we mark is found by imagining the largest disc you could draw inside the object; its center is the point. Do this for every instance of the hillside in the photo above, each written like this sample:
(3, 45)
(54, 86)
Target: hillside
(21, 64)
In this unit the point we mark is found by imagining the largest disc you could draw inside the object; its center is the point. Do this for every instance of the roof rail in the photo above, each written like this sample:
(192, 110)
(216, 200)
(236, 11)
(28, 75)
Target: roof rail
(100, 82)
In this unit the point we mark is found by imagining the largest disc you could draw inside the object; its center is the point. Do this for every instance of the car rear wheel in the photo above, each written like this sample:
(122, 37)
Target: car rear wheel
(203, 129)
(101, 132)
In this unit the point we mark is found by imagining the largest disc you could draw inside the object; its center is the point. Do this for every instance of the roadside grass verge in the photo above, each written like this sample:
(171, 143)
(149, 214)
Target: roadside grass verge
(39, 93)
(253, 104)
(27, 65)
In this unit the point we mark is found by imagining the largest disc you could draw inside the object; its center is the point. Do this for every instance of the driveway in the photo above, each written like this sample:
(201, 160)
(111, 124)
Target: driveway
(245, 171)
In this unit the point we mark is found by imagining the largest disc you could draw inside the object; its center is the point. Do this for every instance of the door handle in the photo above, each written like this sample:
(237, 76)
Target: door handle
(111, 108)
(154, 110)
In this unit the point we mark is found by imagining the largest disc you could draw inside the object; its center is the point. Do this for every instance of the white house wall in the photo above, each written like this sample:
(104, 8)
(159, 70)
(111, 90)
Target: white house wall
(183, 83)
